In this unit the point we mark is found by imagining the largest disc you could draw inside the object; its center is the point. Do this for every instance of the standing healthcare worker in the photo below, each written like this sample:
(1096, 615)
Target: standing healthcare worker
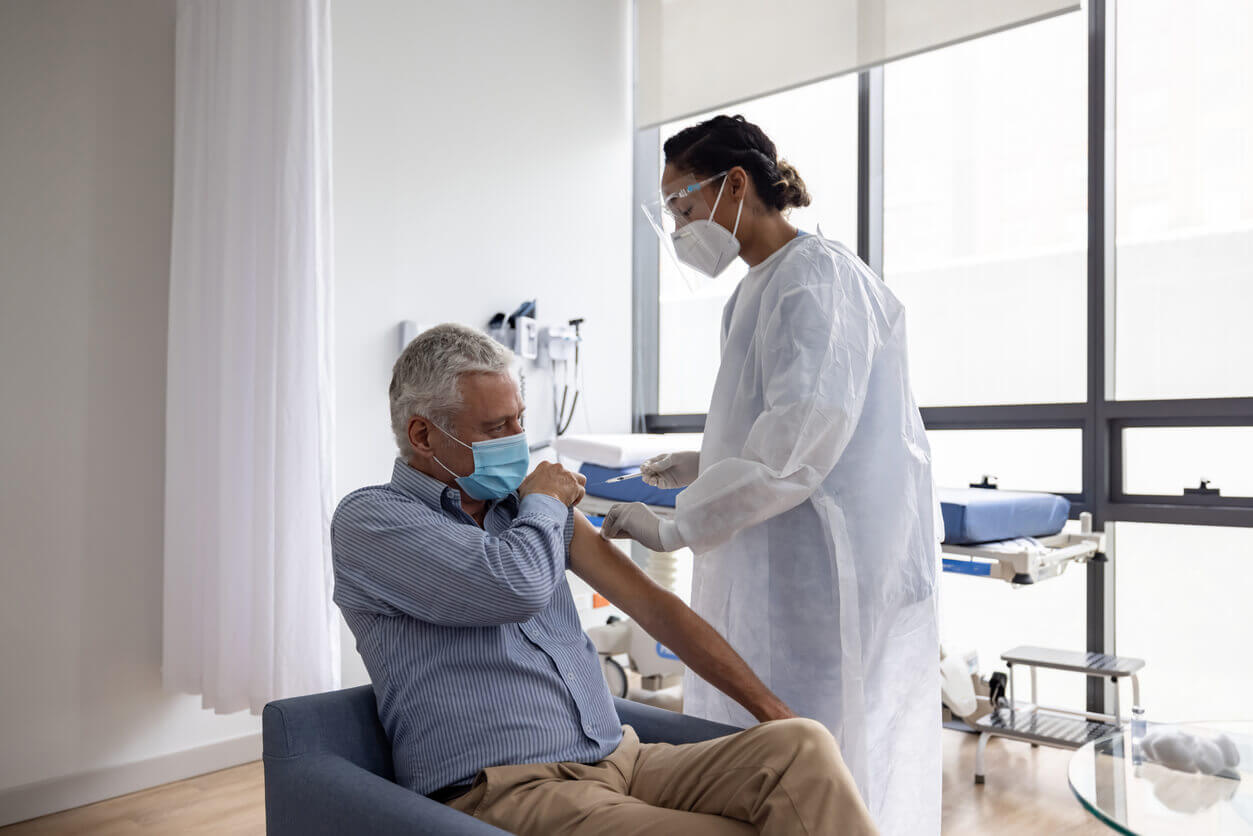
(810, 506)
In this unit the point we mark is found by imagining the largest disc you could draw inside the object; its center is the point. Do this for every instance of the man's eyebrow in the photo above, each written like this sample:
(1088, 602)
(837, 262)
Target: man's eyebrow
(491, 422)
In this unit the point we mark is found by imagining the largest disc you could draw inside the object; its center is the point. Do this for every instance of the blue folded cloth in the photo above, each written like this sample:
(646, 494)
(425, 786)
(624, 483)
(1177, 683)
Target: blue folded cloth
(980, 515)
(632, 490)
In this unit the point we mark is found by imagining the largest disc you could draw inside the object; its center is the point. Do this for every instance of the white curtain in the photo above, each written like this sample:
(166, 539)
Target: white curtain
(248, 611)
(698, 55)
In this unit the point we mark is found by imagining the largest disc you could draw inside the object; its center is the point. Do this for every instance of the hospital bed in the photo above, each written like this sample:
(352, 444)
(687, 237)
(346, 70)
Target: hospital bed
(1012, 536)
(601, 496)
(604, 457)
(1001, 535)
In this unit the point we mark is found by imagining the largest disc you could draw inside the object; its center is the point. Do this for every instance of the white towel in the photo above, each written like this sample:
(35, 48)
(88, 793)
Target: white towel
(625, 450)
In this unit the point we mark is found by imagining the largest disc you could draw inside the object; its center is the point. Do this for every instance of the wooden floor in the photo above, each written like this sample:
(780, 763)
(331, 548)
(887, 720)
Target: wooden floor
(228, 802)
(1026, 792)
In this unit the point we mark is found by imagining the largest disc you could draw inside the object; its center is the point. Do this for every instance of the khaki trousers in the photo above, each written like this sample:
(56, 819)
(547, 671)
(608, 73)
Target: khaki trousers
(782, 777)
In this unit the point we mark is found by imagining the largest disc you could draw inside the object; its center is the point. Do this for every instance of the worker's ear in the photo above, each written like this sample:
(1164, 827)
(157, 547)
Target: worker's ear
(737, 184)
(420, 435)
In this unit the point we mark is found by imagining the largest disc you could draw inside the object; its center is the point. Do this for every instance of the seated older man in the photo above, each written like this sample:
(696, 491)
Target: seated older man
(452, 578)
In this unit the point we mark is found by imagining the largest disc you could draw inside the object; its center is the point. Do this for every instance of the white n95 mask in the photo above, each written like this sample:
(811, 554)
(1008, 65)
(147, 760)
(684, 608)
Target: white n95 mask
(700, 247)
(707, 245)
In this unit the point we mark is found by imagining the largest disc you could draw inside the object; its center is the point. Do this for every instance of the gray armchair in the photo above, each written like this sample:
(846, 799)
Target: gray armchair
(328, 767)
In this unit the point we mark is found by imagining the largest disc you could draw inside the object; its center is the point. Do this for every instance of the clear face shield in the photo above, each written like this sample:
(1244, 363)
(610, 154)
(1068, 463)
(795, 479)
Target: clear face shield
(700, 247)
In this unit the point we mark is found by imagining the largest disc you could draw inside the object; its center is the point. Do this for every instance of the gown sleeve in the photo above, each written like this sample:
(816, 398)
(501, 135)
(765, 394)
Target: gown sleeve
(816, 350)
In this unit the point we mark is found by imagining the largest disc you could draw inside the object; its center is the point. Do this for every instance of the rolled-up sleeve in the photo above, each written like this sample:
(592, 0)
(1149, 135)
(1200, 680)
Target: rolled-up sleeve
(554, 507)
(400, 556)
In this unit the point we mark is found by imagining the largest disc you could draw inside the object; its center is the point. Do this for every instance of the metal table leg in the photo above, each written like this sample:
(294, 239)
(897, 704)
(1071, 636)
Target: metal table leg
(983, 744)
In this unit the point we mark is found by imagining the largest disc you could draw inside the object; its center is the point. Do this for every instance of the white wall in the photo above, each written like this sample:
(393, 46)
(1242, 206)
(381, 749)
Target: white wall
(86, 112)
(482, 156)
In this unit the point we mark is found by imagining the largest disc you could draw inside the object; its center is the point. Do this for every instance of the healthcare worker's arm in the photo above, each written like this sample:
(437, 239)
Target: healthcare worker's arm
(671, 622)
(816, 351)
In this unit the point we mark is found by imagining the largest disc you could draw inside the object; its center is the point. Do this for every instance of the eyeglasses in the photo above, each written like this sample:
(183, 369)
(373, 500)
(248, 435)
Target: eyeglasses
(669, 199)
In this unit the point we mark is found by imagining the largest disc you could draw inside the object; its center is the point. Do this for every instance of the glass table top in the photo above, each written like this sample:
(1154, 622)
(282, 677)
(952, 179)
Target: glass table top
(1115, 783)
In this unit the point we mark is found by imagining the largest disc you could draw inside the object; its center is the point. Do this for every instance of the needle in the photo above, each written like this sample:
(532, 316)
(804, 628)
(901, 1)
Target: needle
(637, 474)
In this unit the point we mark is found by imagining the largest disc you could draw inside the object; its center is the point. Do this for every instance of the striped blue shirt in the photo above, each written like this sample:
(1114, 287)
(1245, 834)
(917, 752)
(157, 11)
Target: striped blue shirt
(470, 634)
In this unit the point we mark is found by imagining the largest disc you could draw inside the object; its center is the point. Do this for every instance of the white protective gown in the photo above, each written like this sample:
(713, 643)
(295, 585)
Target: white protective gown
(814, 522)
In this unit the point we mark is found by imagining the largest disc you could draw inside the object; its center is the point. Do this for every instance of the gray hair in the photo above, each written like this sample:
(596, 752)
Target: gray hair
(427, 376)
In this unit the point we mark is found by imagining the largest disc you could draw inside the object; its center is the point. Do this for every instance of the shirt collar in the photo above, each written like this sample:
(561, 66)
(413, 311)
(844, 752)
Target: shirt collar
(430, 491)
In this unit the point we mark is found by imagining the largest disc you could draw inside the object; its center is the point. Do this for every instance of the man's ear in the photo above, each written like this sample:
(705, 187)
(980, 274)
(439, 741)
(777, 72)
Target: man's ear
(420, 435)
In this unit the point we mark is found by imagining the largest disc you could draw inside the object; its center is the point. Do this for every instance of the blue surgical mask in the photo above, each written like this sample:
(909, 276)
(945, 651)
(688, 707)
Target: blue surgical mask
(500, 465)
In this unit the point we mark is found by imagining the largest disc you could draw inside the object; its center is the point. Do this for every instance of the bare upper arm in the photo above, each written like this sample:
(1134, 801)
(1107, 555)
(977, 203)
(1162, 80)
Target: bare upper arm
(609, 571)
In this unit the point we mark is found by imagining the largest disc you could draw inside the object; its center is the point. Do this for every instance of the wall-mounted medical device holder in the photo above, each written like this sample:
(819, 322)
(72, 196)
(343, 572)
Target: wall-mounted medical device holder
(526, 338)
(559, 341)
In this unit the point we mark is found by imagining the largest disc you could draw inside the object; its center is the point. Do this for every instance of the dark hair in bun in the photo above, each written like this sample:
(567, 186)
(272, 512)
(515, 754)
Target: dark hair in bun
(723, 142)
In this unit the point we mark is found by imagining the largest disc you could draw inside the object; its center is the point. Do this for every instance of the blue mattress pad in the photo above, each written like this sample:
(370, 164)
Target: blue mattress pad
(971, 515)
(981, 515)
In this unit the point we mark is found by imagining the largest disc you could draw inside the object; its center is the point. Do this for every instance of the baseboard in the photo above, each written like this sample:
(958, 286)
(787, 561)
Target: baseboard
(56, 794)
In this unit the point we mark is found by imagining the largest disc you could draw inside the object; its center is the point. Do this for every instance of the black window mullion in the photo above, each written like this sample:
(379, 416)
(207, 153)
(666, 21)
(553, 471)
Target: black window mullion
(1199, 412)
(1100, 633)
(1004, 417)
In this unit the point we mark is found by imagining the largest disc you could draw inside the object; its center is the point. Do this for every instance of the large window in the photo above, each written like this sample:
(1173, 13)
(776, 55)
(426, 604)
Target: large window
(1185, 200)
(1066, 210)
(1042, 460)
(1164, 461)
(814, 128)
(1183, 607)
(985, 241)
(985, 215)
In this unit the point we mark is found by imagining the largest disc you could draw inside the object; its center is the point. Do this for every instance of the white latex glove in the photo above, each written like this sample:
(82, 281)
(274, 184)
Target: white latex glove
(635, 520)
(671, 470)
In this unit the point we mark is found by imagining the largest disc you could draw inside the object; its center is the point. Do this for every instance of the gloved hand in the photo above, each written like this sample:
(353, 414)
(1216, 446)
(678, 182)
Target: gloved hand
(635, 520)
(671, 470)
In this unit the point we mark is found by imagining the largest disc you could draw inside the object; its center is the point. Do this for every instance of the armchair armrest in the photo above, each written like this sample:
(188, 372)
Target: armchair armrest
(321, 794)
(656, 725)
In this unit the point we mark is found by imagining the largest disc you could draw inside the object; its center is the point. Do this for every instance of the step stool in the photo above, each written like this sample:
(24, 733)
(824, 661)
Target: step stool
(1039, 725)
